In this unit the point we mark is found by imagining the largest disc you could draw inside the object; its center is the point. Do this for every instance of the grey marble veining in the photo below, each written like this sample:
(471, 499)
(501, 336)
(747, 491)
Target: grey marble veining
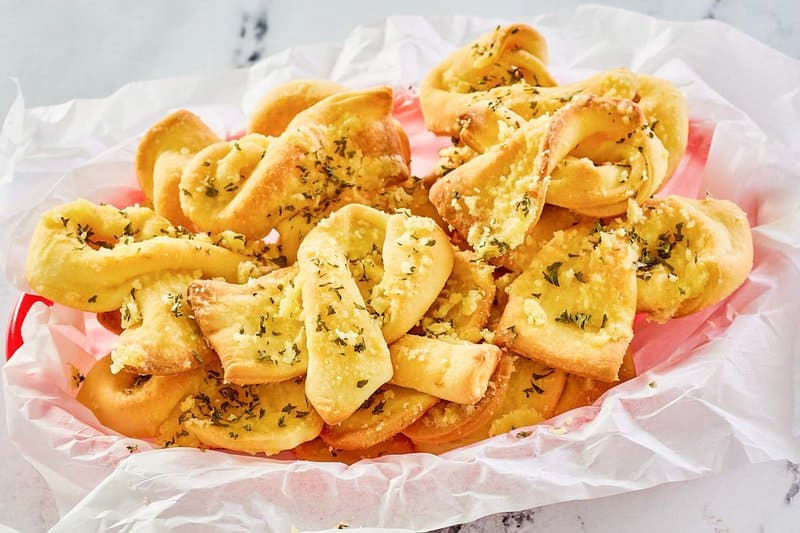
(794, 487)
(89, 48)
(251, 45)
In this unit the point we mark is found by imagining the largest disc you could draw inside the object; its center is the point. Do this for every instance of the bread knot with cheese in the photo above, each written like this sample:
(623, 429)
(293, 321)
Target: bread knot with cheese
(691, 253)
(368, 277)
(515, 54)
(99, 258)
(343, 149)
(483, 122)
(278, 107)
(599, 152)
(161, 156)
(256, 328)
(574, 305)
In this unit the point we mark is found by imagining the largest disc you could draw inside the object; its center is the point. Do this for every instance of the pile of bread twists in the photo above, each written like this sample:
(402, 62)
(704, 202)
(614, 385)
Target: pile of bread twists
(391, 314)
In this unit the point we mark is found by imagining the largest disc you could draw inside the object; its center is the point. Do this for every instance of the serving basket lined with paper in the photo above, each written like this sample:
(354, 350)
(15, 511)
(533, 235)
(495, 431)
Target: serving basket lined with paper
(375, 317)
(294, 291)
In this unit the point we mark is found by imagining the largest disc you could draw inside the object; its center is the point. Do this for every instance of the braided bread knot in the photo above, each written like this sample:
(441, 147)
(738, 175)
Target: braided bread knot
(330, 154)
(97, 258)
(508, 56)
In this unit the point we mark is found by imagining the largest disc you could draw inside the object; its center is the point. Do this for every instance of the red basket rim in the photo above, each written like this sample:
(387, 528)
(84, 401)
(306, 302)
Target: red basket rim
(14, 333)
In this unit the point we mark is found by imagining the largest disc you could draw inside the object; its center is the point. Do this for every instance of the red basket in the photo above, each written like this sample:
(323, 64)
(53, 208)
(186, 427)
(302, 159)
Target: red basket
(14, 333)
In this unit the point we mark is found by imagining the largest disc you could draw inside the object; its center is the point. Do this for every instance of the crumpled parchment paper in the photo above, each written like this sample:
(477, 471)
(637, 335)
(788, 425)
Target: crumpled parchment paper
(719, 388)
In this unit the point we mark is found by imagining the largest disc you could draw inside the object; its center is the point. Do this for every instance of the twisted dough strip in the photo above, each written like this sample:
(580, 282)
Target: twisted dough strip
(692, 253)
(162, 154)
(279, 106)
(158, 335)
(382, 416)
(487, 119)
(496, 198)
(133, 405)
(344, 144)
(368, 277)
(455, 371)
(483, 121)
(256, 328)
(515, 54)
(598, 153)
(88, 256)
(573, 307)
(267, 418)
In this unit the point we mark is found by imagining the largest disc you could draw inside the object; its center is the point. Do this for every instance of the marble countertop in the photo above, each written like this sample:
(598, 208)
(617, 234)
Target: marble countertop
(60, 51)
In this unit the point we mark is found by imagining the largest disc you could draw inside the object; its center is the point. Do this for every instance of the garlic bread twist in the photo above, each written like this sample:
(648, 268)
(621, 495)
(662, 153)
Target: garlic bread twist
(345, 146)
(256, 328)
(88, 256)
(265, 418)
(368, 277)
(692, 253)
(573, 307)
(97, 258)
(515, 54)
(161, 156)
(278, 107)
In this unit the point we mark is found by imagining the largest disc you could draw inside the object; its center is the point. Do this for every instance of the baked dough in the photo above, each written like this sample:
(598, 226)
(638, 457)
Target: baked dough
(448, 421)
(101, 259)
(495, 199)
(319, 450)
(368, 277)
(515, 54)
(158, 334)
(267, 418)
(281, 104)
(486, 121)
(163, 152)
(256, 329)
(88, 256)
(462, 308)
(599, 152)
(342, 149)
(573, 308)
(692, 253)
(382, 416)
(132, 404)
(455, 371)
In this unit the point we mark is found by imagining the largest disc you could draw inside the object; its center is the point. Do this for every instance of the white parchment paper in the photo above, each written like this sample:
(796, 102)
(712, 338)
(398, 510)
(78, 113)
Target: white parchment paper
(723, 393)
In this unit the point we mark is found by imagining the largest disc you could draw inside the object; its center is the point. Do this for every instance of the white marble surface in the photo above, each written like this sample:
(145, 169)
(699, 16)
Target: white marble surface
(82, 49)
